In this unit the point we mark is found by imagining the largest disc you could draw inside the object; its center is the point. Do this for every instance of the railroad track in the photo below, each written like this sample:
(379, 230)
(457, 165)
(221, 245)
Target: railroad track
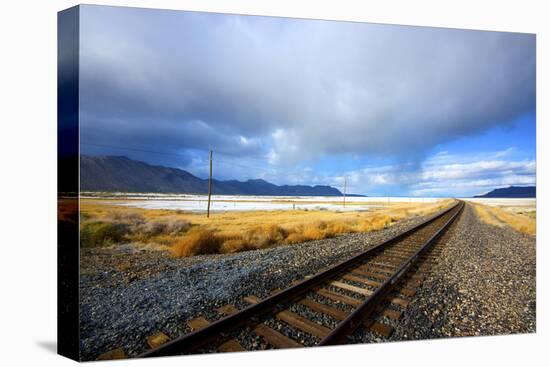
(374, 285)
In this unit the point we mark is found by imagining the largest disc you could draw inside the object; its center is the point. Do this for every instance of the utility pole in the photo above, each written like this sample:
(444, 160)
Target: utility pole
(345, 184)
(209, 187)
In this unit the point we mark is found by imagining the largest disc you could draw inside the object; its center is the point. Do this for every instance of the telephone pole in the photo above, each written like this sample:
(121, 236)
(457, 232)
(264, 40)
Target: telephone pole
(209, 187)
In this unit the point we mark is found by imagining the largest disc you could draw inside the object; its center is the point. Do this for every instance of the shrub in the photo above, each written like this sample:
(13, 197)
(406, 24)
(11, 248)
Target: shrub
(154, 228)
(374, 223)
(316, 231)
(157, 228)
(94, 234)
(127, 217)
(265, 235)
(197, 241)
(340, 227)
(311, 232)
(178, 226)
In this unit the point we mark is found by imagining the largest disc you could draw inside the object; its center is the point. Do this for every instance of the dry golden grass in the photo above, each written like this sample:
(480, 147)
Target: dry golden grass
(241, 231)
(500, 217)
(197, 241)
(530, 214)
(518, 222)
(485, 214)
(236, 245)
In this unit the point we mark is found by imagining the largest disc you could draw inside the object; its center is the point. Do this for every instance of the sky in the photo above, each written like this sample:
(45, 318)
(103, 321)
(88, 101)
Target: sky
(387, 109)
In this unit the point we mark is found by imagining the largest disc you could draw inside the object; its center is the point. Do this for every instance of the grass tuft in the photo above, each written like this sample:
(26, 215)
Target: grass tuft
(232, 245)
(127, 217)
(263, 236)
(98, 233)
(197, 241)
(315, 231)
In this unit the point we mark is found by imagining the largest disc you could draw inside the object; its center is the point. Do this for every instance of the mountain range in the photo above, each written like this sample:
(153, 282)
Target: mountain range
(511, 192)
(122, 174)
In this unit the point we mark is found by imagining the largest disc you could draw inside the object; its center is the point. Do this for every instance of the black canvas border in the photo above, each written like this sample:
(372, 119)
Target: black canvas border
(68, 253)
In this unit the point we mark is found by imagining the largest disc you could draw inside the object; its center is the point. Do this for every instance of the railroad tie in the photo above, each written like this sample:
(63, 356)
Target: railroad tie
(388, 267)
(411, 283)
(227, 310)
(379, 328)
(351, 288)
(299, 322)
(409, 250)
(376, 268)
(398, 301)
(390, 314)
(407, 292)
(324, 309)
(394, 263)
(354, 302)
(231, 345)
(197, 323)
(397, 256)
(252, 299)
(404, 254)
(275, 338)
(418, 277)
(362, 280)
(117, 353)
(157, 339)
(370, 274)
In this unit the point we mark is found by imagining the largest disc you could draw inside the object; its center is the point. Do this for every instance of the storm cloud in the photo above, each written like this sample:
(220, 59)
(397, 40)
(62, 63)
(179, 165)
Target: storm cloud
(283, 91)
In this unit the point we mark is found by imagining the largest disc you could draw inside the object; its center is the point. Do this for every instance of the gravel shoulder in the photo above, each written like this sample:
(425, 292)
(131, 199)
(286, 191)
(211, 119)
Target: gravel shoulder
(484, 284)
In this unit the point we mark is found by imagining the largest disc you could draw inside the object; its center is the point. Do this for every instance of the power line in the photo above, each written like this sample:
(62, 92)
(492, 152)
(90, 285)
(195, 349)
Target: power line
(172, 154)
(132, 149)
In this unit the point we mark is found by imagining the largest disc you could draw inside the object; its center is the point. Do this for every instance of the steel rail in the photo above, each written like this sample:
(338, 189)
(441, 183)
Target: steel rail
(196, 339)
(355, 319)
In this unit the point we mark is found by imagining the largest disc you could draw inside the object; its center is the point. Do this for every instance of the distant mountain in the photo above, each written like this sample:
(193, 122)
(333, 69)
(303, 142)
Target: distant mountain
(512, 192)
(116, 173)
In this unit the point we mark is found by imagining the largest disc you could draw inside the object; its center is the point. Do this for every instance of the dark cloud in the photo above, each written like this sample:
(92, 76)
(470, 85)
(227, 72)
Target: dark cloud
(282, 90)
